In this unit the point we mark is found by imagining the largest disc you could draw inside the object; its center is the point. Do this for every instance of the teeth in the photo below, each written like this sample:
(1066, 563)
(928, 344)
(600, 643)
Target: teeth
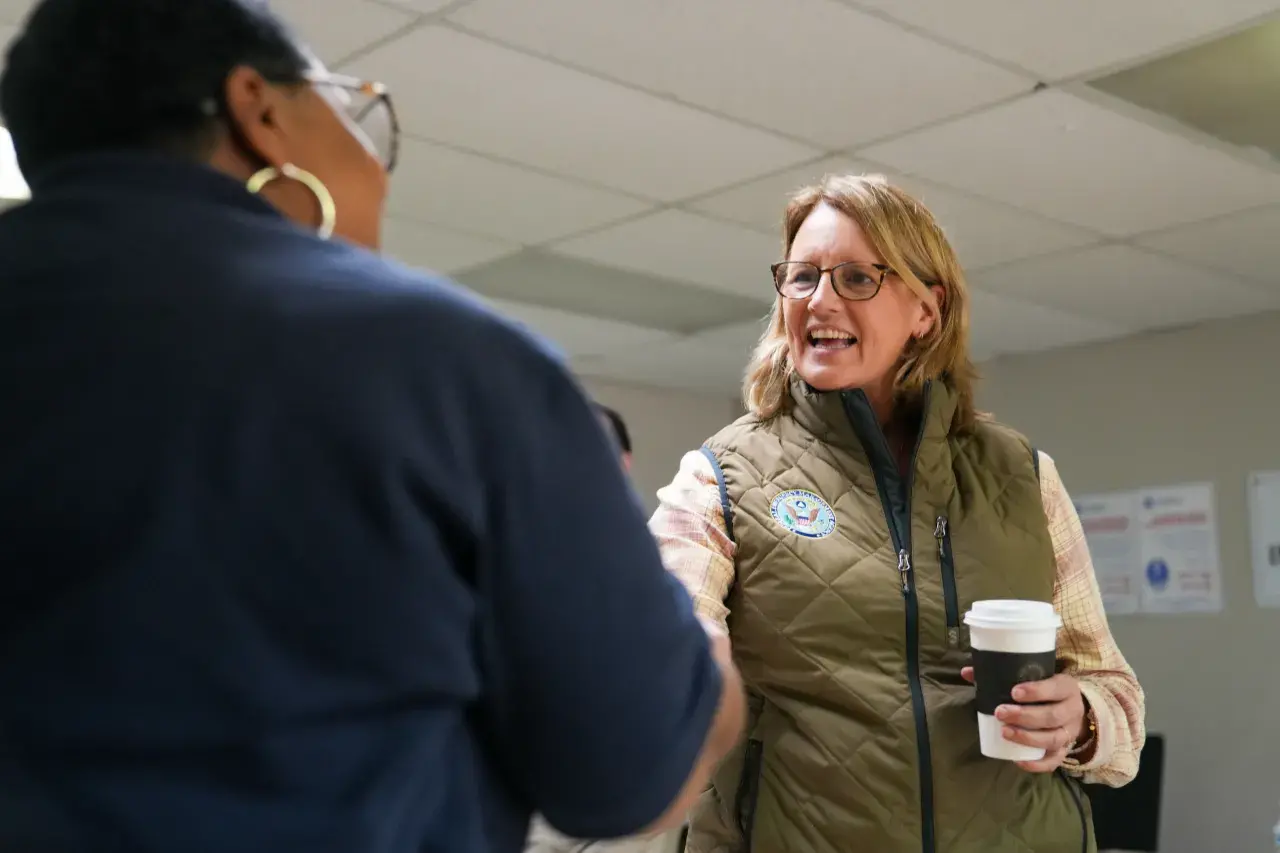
(830, 334)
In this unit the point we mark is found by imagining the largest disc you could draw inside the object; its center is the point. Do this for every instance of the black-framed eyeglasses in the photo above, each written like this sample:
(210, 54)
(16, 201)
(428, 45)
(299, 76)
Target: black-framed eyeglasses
(856, 281)
(367, 107)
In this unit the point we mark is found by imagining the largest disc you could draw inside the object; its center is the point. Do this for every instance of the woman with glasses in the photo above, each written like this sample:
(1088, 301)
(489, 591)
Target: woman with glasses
(286, 558)
(841, 530)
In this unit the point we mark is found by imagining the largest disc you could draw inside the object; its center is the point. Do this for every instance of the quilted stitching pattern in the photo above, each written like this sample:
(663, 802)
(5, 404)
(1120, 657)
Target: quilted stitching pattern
(819, 631)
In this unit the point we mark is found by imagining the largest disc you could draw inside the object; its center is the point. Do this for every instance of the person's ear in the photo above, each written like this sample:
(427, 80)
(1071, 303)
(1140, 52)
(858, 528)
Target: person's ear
(939, 296)
(930, 312)
(254, 108)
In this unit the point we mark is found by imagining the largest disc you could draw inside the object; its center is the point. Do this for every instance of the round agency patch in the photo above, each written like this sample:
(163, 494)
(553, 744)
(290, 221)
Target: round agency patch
(804, 514)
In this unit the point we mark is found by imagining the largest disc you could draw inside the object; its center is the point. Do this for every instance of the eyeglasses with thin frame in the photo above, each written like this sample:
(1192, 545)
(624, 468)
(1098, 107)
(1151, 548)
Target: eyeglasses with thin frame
(856, 281)
(368, 109)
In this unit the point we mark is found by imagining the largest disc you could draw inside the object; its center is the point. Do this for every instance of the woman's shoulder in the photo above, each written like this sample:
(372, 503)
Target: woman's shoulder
(732, 435)
(1001, 445)
(986, 428)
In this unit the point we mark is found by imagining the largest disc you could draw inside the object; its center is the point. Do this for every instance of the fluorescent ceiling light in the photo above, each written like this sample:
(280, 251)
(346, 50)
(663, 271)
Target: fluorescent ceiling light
(12, 185)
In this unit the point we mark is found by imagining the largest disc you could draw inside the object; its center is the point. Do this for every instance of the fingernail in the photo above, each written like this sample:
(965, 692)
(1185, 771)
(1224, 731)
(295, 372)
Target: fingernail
(1008, 733)
(1002, 713)
(1019, 693)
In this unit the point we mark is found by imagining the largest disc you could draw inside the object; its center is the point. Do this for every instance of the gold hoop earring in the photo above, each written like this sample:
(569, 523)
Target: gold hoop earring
(324, 199)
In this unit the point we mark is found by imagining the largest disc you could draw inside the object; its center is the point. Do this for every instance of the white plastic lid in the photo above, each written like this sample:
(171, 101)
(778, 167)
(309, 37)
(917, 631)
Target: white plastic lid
(1012, 613)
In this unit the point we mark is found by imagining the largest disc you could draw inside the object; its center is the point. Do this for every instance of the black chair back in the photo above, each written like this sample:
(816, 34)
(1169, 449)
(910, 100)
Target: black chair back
(1128, 818)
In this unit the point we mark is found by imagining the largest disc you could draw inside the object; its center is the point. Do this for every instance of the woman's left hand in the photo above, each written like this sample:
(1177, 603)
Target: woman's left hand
(1051, 717)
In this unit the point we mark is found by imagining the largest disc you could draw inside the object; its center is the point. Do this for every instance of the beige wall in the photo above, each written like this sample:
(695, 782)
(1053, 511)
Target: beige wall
(1195, 404)
(664, 425)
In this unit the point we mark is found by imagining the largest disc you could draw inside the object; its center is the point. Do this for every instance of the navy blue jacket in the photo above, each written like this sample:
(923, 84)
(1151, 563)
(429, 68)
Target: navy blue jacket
(301, 550)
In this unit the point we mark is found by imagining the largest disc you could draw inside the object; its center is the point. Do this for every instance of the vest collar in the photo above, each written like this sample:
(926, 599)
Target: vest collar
(846, 420)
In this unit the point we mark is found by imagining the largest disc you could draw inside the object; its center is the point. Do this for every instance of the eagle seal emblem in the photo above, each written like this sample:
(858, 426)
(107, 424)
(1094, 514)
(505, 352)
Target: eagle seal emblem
(804, 514)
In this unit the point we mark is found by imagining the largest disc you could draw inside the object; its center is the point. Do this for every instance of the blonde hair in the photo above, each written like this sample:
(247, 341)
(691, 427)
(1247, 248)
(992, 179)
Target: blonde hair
(910, 241)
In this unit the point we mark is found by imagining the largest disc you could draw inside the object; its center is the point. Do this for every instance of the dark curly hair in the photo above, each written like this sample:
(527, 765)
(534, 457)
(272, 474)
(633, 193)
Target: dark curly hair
(617, 426)
(98, 75)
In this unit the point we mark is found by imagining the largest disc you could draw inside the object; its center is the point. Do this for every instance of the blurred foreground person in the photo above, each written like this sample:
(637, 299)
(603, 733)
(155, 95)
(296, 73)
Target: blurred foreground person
(544, 839)
(277, 571)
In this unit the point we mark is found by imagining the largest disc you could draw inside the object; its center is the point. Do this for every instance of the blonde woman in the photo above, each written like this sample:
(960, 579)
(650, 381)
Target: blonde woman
(842, 528)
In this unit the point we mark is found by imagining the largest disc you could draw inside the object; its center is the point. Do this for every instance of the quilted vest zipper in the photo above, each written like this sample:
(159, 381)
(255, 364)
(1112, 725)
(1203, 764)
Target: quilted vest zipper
(942, 533)
(895, 498)
(748, 794)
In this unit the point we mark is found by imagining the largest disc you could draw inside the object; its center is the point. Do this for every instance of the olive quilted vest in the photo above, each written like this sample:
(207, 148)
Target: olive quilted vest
(846, 623)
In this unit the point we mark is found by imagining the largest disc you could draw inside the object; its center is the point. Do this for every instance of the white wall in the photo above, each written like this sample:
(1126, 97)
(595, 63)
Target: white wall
(664, 425)
(1196, 404)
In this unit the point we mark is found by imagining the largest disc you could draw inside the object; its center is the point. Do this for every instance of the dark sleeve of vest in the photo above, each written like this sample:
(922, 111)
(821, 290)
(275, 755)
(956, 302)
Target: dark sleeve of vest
(726, 505)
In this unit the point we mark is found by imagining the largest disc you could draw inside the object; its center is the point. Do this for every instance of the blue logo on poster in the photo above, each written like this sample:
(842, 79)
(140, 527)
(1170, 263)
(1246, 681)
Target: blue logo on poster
(1148, 502)
(1158, 574)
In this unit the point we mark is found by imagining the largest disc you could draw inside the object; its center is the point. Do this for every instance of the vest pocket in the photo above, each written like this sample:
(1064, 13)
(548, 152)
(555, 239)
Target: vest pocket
(744, 802)
(942, 534)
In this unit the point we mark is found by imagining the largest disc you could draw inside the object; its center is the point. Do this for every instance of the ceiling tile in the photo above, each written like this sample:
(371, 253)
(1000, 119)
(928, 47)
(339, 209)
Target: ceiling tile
(1128, 286)
(577, 335)
(1076, 162)
(422, 7)
(760, 204)
(472, 193)
(684, 247)
(743, 60)
(1226, 88)
(15, 11)
(1246, 244)
(467, 92)
(736, 341)
(331, 28)
(739, 337)
(1004, 324)
(685, 364)
(555, 281)
(438, 249)
(1060, 38)
(336, 28)
(983, 233)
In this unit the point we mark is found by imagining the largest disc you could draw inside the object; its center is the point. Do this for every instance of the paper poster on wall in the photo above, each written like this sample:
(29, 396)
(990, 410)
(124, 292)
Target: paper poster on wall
(1110, 523)
(1264, 535)
(1181, 572)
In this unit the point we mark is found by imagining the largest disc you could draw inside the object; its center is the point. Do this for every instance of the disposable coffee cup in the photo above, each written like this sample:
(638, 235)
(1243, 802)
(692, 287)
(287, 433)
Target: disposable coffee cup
(1013, 642)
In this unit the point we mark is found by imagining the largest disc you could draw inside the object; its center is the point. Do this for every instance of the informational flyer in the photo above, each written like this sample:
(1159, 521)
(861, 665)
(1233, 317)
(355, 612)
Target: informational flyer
(1181, 569)
(1264, 536)
(1110, 524)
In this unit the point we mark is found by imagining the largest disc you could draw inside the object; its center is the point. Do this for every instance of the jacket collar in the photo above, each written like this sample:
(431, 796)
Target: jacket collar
(845, 419)
(126, 174)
